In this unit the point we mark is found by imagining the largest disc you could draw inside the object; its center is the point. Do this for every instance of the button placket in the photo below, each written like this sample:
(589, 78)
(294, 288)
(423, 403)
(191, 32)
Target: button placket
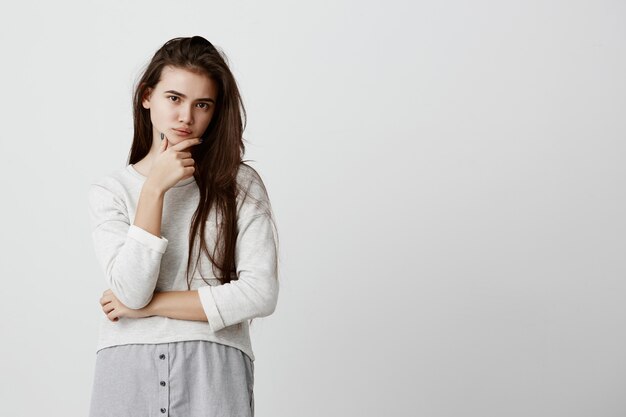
(164, 376)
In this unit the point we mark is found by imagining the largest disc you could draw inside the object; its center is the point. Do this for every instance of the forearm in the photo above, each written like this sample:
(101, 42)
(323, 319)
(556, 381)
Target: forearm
(150, 209)
(182, 305)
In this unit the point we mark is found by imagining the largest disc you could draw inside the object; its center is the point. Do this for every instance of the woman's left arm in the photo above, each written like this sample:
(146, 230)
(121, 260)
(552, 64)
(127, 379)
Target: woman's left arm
(182, 305)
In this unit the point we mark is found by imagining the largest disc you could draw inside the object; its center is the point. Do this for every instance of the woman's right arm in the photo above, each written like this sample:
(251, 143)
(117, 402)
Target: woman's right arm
(129, 255)
(171, 165)
(150, 209)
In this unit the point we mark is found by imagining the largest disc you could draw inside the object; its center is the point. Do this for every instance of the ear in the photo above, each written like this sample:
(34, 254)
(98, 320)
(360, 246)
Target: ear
(146, 98)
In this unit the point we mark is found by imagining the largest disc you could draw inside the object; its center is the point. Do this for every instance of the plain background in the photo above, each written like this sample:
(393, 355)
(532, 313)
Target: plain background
(448, 179)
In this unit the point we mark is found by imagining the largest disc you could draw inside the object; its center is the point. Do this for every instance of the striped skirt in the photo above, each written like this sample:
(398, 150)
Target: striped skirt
(179, 379)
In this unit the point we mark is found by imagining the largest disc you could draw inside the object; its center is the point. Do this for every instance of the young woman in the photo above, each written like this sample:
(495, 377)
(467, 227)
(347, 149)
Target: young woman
(187, 240)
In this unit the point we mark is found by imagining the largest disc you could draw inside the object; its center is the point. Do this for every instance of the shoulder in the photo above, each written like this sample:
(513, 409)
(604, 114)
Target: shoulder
(249, 179)
(246, 174)
(109, 188)
(251, 190)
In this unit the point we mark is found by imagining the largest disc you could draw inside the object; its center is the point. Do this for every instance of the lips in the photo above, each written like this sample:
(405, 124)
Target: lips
(183, 131)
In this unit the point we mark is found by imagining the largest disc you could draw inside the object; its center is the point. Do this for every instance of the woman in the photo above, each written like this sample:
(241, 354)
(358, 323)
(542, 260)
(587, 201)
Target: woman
(187, 240)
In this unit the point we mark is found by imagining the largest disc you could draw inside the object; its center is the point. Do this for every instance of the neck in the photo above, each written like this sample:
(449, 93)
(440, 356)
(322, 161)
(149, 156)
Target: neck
(145, 165)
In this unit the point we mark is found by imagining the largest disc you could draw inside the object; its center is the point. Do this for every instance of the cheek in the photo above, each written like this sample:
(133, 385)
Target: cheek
(160, 113)
(200, 120)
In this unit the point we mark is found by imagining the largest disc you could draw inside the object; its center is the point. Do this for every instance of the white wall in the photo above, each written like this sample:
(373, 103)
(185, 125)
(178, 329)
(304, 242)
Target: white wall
(448, 179)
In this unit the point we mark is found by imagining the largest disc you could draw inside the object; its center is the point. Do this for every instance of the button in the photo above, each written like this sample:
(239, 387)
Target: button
(163, 410)
(162, 383)
(162, 356)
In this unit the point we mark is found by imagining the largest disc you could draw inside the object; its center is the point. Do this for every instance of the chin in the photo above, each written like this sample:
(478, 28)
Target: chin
(173, 142)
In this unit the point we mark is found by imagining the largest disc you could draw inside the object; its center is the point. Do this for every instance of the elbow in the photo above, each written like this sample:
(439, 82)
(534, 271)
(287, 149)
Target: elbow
(137, 304)
(133, 298)
(268, 306)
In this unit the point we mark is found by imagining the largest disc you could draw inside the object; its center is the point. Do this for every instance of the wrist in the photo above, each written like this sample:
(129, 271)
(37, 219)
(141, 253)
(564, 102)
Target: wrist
(151, 189)
(152, 308)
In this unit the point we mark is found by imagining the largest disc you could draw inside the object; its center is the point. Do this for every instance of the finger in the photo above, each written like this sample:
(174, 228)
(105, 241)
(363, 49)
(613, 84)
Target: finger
(105, 299)
(188, 162)
(163, 144)
(189, 171)
(112, 315)
(186, 143)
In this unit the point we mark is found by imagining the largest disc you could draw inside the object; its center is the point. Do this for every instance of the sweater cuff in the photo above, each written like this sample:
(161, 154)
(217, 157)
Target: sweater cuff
(148, 239)
(210, 308)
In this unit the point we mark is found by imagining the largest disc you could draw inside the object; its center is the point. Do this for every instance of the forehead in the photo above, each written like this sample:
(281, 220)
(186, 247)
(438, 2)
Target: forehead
(191, 84)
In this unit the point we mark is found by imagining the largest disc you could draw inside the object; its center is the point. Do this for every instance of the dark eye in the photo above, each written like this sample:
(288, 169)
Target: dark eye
(172, 97)
(206, 105)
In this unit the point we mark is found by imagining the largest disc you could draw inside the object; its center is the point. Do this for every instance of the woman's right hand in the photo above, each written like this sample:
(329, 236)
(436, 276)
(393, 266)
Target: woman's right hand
(172, 164)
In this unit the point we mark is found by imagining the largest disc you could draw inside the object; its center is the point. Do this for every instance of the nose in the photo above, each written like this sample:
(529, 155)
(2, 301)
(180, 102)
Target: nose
(185, 115)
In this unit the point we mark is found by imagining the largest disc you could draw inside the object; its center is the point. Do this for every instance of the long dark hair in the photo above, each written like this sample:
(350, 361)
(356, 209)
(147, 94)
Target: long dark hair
(218, 159)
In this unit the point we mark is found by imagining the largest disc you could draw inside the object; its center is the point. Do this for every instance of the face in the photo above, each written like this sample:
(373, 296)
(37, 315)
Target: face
(182, 101)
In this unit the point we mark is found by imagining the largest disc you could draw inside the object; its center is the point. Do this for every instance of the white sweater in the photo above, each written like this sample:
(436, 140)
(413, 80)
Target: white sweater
(137, 263)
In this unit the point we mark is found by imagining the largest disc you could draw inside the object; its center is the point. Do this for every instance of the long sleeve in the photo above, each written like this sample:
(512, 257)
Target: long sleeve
(255, 291)
(129, 255)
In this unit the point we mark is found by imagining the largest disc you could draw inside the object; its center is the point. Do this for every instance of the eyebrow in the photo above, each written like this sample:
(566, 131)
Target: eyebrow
(209, 99)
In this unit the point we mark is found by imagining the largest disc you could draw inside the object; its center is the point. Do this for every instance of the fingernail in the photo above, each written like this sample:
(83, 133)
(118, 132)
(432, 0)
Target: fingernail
(162, 135)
